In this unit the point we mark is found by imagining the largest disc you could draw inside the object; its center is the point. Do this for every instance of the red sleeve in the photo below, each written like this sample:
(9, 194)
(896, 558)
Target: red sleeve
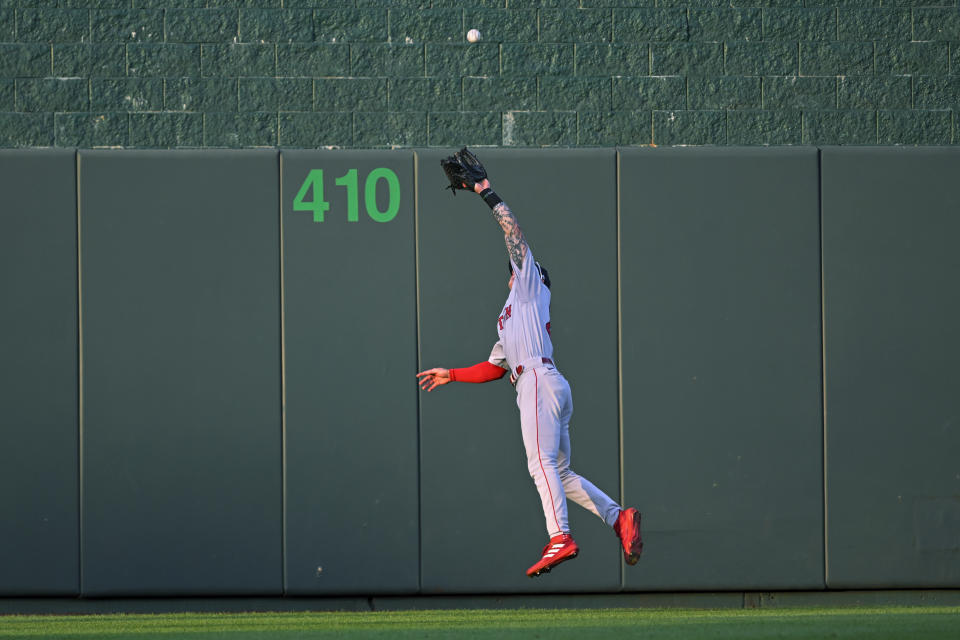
(482, 372)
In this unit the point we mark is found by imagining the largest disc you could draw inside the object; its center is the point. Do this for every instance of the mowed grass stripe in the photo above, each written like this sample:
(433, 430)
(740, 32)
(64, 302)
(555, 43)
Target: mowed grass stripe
(922, 623)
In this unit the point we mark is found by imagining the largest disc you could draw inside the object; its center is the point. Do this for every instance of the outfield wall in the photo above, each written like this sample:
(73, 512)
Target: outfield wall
(208, 383)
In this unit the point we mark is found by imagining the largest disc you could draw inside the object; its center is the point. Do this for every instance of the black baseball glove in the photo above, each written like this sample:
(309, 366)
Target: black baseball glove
(463, 170)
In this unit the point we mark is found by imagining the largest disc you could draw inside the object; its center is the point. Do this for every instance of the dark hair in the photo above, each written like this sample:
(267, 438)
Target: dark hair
(544, 276)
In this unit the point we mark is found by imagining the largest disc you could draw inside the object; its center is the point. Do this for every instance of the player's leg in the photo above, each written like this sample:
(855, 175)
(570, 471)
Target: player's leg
(576, 487)
(540, 425)
(539, 418)
(625, 522)
(582, 491)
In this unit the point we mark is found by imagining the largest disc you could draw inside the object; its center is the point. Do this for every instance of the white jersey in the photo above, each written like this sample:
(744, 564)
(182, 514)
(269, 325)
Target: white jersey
(524, 322)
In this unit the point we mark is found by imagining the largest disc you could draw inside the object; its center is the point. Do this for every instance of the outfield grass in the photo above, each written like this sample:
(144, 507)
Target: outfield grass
(940, 623)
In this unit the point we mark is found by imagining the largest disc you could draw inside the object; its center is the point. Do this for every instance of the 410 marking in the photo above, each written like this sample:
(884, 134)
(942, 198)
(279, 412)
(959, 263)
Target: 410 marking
(313, 187)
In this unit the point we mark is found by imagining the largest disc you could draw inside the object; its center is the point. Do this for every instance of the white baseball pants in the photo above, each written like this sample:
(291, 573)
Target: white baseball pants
(545, 403)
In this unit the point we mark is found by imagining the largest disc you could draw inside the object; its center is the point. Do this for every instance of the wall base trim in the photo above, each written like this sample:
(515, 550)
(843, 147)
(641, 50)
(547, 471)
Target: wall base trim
(684, 600)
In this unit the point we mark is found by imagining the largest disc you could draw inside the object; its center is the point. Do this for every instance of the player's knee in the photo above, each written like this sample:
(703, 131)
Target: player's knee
(539, 465)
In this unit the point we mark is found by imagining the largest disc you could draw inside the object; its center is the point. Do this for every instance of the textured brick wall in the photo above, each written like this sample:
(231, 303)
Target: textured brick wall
(375, 73)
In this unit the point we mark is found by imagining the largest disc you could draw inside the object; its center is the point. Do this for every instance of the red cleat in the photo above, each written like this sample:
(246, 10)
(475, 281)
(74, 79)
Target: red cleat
(560, 549)
(628, 530)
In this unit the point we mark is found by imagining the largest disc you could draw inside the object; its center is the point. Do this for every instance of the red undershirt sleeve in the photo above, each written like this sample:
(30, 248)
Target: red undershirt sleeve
(482, 372)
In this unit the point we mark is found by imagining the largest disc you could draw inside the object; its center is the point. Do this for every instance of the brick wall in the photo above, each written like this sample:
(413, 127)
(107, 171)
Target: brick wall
(380, 73)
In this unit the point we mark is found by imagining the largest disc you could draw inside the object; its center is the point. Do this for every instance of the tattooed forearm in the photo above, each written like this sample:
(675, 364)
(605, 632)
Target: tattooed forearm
(513, 236)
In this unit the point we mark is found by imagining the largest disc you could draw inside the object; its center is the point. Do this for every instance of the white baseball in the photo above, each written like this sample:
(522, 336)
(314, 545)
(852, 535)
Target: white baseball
(473, 35)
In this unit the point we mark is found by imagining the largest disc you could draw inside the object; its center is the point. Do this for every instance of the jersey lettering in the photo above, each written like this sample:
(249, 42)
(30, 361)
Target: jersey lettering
(504, 316)
(548, 330)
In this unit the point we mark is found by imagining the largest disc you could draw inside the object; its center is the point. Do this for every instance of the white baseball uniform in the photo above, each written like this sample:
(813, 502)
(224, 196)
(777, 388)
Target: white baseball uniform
(525, 349)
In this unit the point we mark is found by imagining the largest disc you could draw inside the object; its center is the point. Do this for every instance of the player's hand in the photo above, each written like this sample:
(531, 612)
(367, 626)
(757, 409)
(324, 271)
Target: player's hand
(433, 378)
(480, 186)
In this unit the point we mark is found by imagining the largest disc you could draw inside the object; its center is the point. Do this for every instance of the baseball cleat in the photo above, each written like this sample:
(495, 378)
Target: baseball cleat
(628, 530)
(560, 549)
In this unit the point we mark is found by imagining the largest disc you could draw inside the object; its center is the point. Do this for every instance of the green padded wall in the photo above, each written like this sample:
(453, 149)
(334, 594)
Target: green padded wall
(350, 357)
(39, 530)
(181, 421)
(722, 419)
(482, 523)
(891, 267)
(180, 477)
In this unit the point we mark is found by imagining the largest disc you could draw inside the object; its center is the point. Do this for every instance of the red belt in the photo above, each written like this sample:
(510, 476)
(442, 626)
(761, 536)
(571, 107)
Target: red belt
(545, 361)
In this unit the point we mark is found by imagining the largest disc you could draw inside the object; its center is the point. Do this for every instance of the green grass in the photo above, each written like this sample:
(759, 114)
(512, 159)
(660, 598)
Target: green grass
(940, 623)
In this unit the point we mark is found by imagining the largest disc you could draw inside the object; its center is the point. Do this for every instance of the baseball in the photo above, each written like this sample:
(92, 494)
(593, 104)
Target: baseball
(473, 35)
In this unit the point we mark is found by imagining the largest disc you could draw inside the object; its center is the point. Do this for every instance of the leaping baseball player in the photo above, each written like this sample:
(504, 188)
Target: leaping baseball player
(525, 349)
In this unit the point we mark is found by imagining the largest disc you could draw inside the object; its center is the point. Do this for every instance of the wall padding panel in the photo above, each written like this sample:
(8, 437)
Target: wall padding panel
(482, 522)
(39, 488)
(891, 219)
(181, 373)
(351, 354)
(722, 418)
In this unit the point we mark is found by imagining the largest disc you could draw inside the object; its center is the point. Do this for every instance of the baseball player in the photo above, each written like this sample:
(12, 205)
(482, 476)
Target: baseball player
(524, 348)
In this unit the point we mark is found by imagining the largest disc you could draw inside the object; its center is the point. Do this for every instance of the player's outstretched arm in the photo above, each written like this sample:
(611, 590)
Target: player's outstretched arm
(512, 234)
(433, 378)
(484, 371)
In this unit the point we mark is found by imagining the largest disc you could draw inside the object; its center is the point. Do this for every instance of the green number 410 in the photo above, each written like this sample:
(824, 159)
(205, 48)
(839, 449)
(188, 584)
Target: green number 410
(313, 187)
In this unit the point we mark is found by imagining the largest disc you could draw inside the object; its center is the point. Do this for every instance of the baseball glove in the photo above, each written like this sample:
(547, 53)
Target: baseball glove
(463, 170)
